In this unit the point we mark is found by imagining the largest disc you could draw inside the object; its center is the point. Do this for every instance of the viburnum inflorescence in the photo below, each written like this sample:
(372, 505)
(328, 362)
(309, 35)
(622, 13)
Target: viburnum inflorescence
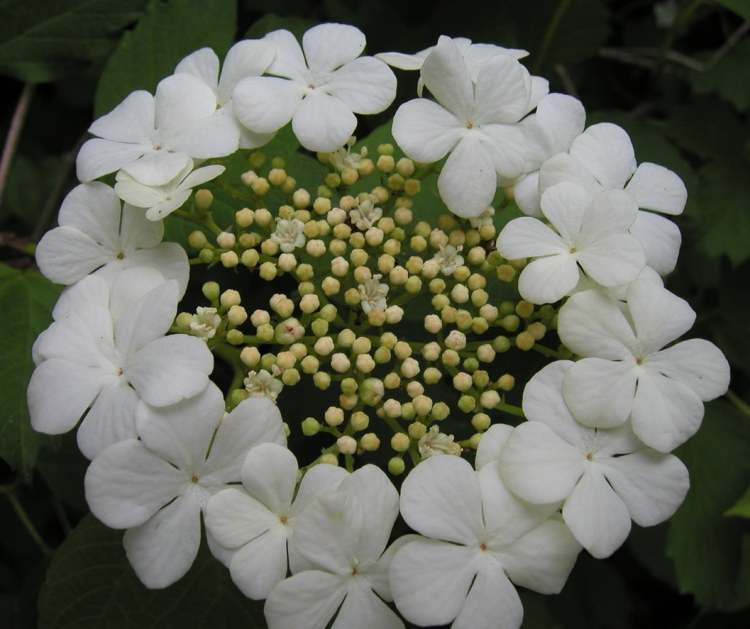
(404, 296)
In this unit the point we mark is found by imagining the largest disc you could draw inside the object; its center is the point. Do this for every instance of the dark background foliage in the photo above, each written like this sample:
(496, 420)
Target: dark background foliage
(675, 74)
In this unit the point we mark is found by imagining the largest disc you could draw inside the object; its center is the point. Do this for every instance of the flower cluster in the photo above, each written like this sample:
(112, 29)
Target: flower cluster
(409, 321)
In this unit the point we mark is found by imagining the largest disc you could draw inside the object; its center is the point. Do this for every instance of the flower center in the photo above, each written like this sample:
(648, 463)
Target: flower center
(121, 255)
(284, 519)
(195, 478)
(483, 547)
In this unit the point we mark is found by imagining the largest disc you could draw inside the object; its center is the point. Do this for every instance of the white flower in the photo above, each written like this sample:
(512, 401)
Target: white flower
(341, 540)
(250, 57)
(449, 258)
(626, 373)
(474, 123)
(319, 89)
(160, 201)
(97, 233)
(366, 214)
(157, 487)
(478, 541)
(344, 157)
(152, 138)
(602, 158)
(88, 360)
(204, 322)
(255, 522)
(589, 230)
(435, 442)
(289, 234)
(605, 477)
(373, 294)
(559, 119)
(263, 384)
(474, 54)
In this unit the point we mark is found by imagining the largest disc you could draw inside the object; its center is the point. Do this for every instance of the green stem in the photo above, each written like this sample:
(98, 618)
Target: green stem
(511, 409)
(231, 356)
(549, 34)
(28, 524)
(545, 351)
(739, 403)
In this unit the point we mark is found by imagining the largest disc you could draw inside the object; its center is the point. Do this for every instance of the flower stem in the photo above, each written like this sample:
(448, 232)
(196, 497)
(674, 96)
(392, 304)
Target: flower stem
(739, 403)
(14, 134)
(549, 34)
(511, 409)
(27, 523)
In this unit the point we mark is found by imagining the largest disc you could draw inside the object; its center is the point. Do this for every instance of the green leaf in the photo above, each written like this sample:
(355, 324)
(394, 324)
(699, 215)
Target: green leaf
(30, 184)
(40, 40)
(164, 35)
(740, 7)
(90, 585)
(724, 78)
(706, 545)
(26, 299)
(741, 508)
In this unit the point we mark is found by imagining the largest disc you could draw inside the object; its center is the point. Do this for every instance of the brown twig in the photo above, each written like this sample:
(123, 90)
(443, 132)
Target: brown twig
(14, 133)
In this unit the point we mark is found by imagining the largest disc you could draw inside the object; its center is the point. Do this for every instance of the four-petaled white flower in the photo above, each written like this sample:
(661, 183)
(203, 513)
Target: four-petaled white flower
(476, 123)
(319, 87)
(589, 230)
(152, 138)
(559, 119)
(98, 234)
(256, 522)
(366, 214)
(605, 477)
(289, 234)
(204, 323)
(87, 359)
(263, 384)
(250, 57)
(449, 258)
(602, 157)
(626, 373)
(373, 294)
(160, 201)
(340, 540)
(478, 541)
(157, 487)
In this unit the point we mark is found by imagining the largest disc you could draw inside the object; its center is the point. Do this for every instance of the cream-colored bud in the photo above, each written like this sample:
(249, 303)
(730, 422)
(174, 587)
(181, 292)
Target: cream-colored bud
(321, 205)
(301, 198)
(340, 362)
(400, 442)
(260, 317)
(394, 314)
(336, 216)
(299, 350)
(506, 382)
(226, 240)
(268, 271)
(402, 350)
(285, 360)
(334, 416)
(489, 399)
(462, 381)
(409, 368)
(438, 238)
(230, 298)
(358, 257)
(432, 375)
(392, 408)
(374, 236)
(456, 340)
(488, 312)
(237, 315)
(433, 324)
(346, 444)
(277, 176)
(450, 358)
(362, 274)
(398, 276)
(263, 217)
(331, 286)
(369, 442)
(250, 356)
(287, 262)
(365, 363)
(431, 351)
(310, 364)
(316, 248)
(386, 263)
(392, 380)
(197, 239)
(486, 353)
(389, 340)
(323, 346)
(460, 294)
(430, 269)
(229, 259)
(359, 420)
(422, 405)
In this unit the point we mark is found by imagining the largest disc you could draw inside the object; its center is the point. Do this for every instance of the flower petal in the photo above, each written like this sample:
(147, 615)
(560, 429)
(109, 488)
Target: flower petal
(203, 64)
(260, 564)
(131, 121)
(613, 261)
(493, 602)
(599, 392)
(564, 205)
(651, 485)
(170, 369)
(323, 122)
(317, 480)
(366, 85)
(329, 46)
(503, 90)
(136, 231)
(308, 599)
(660, 239)
(562, 118)
(538, 466)
(425, 131)
(591, 324)
(265, 104)
(563, 167)
(181, 100)
(216, 135)
(156, 168)
(127, 484)
(249, 57)
(491, 444)
(235, 518)
(66, 255)
(251, 422)
(440, 498)
(445, 74)
(269, 475)
(169, 258)
(596, 516)
(147, 319)
(607, 152)
(542, 559)
(659, 316)
(430, 580)
(100, 157)
(361, 608)
(657, 188)
(696, 363)
(59, 393)
(467, 183)
(110, 419)
(528, 237)
(94, 209)
(547, 280)
(526, 195)
(162, 550)
(666, 413)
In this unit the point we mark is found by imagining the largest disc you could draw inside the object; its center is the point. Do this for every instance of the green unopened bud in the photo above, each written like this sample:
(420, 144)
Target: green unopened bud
(310, 427)
(319, 327)
(203, 200)
(371, 391)
(211, 291)
(467, 403)
(396, 466)
(440, 411)
(235, 337)
(236, 396)
(197, 239)
(322, 380)
(481, 421)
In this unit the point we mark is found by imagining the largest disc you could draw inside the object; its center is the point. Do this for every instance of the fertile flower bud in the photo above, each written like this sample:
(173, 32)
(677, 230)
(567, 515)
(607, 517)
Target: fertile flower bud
(481, 422)
(309, 303)
(319, 327)
(230, 298)
(346, 444)
(432, 375)
(489, 399)
(525, 341)
(486, 353)
(392, 408)
(371, 391)
(369, 442)
(268, 271)
(331, 286)
(396, 466)
(322, 380)
(301, 198)
(440, 411)
(328, 459)
(394, 314)
(456, 340)
(203, 199)
(359, 420)
(323, 346)
(334, 416)
(310, 365)
(402, 350)
(462, 381)
(197, 240)
(226, 240)
(460, 294)
(316, 248)
(229, 259)
(250, 258)
(310, 427)
(288, 331)
(409, 368)
(433, 324)
(237, 315)
(506, 382)
(340, 362)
